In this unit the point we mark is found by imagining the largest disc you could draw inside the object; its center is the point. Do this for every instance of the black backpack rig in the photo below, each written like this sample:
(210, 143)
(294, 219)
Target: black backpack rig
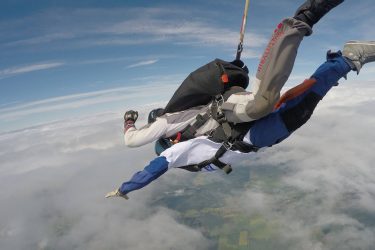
(208, 81)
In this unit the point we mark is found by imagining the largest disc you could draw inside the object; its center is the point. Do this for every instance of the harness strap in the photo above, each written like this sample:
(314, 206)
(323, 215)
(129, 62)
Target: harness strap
(244, 147)
(227, 130)
(215, 160)
(190, 131)
(237, 145)
(214, 112)
(229, 135)
(215, 109)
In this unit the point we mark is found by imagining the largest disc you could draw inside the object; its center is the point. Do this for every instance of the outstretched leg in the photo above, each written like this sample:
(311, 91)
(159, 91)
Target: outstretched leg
(269, 130)
(312, 11)
(293, 111)
(277, 63)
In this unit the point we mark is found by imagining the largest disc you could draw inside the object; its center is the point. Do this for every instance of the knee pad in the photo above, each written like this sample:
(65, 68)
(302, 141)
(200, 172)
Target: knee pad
(298, 115)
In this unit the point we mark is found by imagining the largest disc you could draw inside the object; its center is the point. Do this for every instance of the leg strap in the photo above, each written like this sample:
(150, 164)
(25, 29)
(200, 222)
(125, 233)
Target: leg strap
(237, 145)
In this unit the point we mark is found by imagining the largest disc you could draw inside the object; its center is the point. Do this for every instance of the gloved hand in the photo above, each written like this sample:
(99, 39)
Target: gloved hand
(131, 115)
(116, 193)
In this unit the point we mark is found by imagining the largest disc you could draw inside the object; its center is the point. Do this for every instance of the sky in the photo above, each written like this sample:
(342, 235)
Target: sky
(70, 69)
(63, 59)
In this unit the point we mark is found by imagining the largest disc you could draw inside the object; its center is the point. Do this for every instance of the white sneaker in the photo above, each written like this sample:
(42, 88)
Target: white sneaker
(359, 53)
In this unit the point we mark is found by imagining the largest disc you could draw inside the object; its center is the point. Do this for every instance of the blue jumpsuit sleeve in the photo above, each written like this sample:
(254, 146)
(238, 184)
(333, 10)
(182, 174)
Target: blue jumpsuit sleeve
(154, 170)
(281, 123)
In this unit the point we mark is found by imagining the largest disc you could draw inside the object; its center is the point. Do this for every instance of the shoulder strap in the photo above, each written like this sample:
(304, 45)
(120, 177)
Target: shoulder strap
(190, 131)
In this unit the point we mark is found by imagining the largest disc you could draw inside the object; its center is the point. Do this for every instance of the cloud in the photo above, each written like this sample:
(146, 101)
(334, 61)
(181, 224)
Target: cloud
(48, 38)
(28, 68)
(79, 161)
(249, 54)
(143, 63)
(153, 89)
(368, 69)
(160, 89)
(92, 27)
(313, 191)
(318, 184)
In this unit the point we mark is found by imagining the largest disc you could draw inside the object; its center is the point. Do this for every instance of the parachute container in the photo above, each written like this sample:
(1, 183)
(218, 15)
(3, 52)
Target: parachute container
(207, 82)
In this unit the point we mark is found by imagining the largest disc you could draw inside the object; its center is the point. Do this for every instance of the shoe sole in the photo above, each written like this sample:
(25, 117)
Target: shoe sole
(359, 43)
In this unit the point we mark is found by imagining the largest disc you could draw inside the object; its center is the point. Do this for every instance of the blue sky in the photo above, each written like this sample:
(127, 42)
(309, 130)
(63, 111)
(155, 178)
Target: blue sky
(62, 59)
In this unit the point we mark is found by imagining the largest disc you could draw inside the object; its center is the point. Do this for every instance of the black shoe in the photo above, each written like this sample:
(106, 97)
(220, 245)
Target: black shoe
(311, 11)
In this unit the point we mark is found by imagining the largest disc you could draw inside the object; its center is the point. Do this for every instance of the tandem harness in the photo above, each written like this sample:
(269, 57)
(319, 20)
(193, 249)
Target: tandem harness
(228, 134)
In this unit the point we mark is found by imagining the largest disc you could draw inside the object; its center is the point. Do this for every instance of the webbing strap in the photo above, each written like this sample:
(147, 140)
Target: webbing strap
(215, 160)
(244, 147)
(227, 130)
(214, 112)
(189, 132)
(238, 145)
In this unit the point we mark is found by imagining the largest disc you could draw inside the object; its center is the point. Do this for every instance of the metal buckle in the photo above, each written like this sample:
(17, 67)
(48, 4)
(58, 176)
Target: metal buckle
(210, 133)
(227, 145)
(219, 99)
(216, 111)
(220, 116)
(227, 169)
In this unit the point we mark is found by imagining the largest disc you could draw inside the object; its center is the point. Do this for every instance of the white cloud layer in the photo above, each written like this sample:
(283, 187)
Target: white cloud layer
(79, 161)
(53, 178)
(109, 100)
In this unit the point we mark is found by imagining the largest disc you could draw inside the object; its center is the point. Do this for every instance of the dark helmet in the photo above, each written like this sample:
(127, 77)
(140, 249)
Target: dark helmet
(240, 64)
(239, 75)
(154, 114)
(161, 145)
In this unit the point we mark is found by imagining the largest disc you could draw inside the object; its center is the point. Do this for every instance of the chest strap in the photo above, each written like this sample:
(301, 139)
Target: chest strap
(213, 112)
(190, 131)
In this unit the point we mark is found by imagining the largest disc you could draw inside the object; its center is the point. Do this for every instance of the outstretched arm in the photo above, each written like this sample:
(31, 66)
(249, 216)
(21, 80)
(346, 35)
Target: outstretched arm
(151, 132)
(181, 154)
(154, 170)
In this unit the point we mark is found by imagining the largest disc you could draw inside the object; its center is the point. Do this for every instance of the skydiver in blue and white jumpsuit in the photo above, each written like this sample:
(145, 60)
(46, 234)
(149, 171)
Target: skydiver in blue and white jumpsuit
(278, 125)
(265, 132)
